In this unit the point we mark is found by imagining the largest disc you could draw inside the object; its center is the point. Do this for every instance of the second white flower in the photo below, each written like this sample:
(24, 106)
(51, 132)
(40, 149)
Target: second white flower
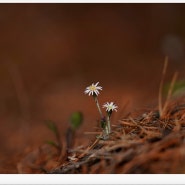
(110, 106)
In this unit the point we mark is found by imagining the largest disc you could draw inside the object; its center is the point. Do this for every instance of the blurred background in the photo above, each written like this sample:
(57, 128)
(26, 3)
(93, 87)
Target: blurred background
(49, 54)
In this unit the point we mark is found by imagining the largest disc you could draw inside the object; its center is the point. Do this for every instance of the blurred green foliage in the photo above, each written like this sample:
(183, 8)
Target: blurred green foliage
(76, 120)
(178, 89)
(52, 126)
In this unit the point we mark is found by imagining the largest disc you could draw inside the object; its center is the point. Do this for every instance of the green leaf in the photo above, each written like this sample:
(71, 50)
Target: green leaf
(103, 123)
(52, 126)
(76, 120)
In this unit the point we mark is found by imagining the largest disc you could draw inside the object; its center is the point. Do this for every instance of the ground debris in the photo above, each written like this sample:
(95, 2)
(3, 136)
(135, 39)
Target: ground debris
(138, 144)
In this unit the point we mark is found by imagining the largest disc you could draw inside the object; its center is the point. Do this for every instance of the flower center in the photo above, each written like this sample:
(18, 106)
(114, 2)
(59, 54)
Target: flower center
(92, 88)
(109, 107)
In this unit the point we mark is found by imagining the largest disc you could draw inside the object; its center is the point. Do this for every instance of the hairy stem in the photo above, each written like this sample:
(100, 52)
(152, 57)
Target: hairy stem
(98, 106)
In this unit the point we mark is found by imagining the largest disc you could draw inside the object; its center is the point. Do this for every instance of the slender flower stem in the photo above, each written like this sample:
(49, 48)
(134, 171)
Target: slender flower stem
(108, 124)
(98, 106)
(106, 130)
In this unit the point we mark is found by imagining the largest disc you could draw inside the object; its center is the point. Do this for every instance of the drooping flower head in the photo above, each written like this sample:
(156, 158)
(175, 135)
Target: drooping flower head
(110, 107)
(93, 89)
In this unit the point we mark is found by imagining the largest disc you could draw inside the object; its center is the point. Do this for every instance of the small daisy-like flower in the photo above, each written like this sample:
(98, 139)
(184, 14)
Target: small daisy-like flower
(110, 106)
(93, 89)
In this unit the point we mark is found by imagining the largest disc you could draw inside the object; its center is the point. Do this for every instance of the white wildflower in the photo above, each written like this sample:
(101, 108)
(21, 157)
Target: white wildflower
(110, 106)
(93, 89)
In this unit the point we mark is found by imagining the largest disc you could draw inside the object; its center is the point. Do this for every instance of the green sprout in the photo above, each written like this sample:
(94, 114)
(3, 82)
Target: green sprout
(53, 127)
(76, 120)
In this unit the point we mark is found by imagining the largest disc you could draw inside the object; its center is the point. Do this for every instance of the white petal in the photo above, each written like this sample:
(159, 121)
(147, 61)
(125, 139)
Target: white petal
(96, 83)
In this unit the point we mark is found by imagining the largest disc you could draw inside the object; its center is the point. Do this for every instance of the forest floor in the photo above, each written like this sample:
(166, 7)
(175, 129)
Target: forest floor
(141, 142)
